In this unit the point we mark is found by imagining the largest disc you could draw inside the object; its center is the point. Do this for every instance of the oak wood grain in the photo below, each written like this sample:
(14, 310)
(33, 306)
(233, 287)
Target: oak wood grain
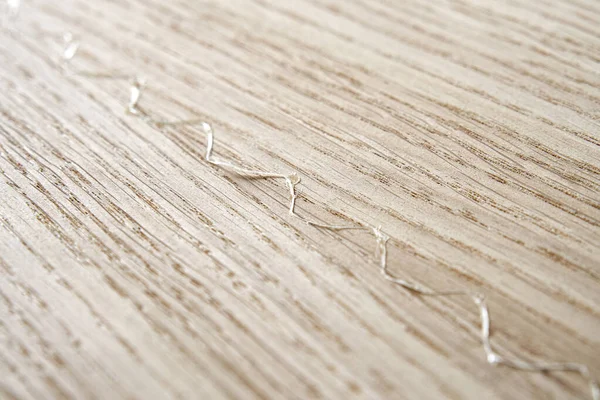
(131, 268)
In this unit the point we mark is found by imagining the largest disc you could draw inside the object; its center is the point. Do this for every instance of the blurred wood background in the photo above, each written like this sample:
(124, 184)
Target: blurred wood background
(130, 268)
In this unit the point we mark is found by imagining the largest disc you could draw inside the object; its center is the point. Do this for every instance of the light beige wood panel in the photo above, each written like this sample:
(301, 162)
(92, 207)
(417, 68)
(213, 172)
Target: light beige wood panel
(131, 268)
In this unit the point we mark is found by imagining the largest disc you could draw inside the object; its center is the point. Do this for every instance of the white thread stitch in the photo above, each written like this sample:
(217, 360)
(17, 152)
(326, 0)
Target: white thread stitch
(479, 299)
(71, 47)
(381, 238)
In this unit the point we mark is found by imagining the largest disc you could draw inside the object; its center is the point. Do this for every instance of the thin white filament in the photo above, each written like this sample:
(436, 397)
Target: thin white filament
(292, 180)
(135, 94)
(71, 47)
(491, 356)
(250, 173)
